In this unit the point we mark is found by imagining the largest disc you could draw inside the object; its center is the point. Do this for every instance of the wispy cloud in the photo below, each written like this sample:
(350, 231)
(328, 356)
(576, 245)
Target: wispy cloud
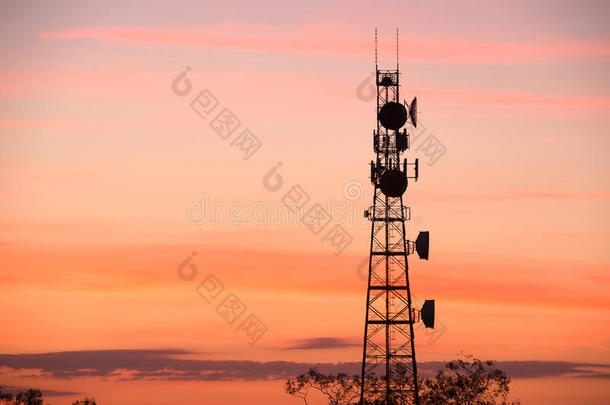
(316, 39)
(322, 343)
(170, 364)
(45, 392)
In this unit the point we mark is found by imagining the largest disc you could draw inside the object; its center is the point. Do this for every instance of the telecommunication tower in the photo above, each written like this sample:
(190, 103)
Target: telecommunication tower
(389, 369)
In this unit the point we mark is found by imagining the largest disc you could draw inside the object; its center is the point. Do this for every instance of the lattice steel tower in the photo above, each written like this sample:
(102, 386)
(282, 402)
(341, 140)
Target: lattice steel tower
(389, 370)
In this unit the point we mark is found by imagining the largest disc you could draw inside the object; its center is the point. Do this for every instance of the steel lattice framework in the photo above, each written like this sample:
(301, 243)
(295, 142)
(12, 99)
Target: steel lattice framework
(389, 369)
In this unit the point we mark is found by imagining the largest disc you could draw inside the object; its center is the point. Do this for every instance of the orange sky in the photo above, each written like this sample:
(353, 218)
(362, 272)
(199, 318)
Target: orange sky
(109, 180)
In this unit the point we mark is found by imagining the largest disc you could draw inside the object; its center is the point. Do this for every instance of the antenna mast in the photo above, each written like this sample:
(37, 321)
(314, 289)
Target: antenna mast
(397, 49)
(375, 48)
(389, 369)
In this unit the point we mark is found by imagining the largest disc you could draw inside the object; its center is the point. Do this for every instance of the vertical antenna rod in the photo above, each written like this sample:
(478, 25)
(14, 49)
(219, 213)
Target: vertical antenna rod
(375, 48)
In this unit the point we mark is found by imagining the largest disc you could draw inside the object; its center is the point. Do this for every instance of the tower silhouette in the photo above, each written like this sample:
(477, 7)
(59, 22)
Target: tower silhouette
(389, 369)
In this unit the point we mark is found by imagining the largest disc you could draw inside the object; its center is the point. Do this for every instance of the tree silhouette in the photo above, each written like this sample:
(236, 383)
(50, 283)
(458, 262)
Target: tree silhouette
(5, 396)
(29, 397)
(85, 401)
(466, 381)
(32, 396)
(340, 389)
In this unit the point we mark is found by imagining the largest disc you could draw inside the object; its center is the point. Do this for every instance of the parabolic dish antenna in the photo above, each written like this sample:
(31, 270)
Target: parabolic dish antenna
(393, 115)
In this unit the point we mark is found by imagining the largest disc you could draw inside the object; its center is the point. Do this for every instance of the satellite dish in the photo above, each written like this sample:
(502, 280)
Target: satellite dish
(422, 245)
(393, 115)
(413, 111)
(393, 183)
(427, 313)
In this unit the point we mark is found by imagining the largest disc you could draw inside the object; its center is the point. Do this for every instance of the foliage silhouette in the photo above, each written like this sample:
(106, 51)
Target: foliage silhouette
(466, 381)
(30, 397)
(85, 401)
(340, 389)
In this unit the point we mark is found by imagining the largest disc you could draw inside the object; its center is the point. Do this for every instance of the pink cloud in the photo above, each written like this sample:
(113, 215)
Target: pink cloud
(37, 83)
(323, 40)
(515, 99)
(137, 84)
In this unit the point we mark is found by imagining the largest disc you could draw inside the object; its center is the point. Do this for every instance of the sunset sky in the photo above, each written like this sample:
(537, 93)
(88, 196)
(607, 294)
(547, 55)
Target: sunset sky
(110, 179)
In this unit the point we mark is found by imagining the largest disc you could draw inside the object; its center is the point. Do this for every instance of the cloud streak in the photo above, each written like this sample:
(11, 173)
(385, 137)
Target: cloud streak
(316, 39)
(322, 343)
(45, 392)
(170, 364)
